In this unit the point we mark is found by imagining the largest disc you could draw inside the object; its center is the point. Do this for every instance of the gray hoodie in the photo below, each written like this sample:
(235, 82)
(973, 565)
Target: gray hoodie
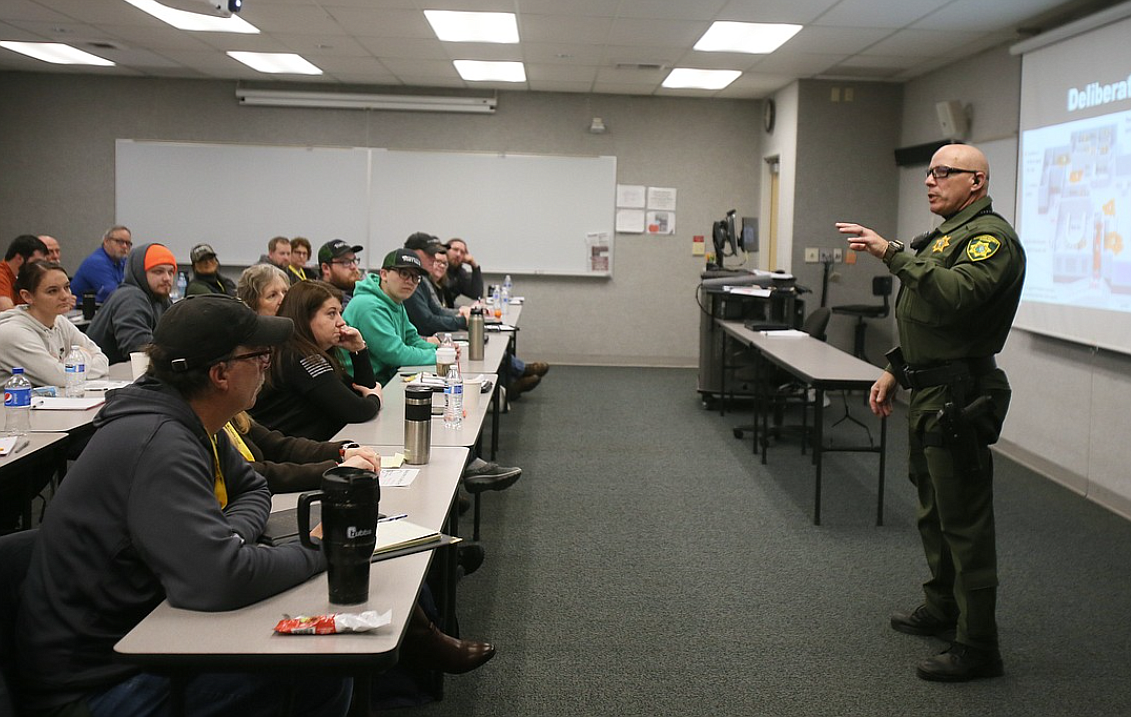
(137, 522)
(126, 321)
(24, 341)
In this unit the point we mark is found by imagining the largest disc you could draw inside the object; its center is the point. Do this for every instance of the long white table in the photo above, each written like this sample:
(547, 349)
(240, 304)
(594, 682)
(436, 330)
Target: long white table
(185, 641)
(823, 368)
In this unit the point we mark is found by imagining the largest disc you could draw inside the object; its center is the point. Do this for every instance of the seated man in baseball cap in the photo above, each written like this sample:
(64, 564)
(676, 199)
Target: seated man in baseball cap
(338, 266)
(161, 506)
(206, 276)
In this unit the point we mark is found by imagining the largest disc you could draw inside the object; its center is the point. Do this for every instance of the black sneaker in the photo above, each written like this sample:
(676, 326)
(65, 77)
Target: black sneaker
(961, 663)
(922, 622)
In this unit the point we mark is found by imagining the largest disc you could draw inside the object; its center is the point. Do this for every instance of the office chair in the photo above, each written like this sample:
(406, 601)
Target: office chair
(15, 556)
(881, 286)
(781, 394)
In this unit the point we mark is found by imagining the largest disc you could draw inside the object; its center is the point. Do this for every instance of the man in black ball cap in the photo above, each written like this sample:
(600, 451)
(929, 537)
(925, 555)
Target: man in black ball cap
(160, 506)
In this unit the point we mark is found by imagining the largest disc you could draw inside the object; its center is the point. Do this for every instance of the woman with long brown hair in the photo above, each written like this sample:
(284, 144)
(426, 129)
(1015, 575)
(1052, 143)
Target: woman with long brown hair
(309, 392)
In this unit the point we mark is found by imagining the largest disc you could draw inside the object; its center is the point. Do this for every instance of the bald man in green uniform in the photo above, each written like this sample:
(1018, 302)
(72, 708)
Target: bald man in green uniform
(960, 285)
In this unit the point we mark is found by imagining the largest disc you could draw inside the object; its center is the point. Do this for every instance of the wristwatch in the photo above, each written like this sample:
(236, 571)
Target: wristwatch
(345, 447)
(894, 247)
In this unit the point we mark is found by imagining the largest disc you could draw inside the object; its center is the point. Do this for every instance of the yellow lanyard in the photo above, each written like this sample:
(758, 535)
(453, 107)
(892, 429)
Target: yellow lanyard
(238, 442)
(300, 273)
(218, 487)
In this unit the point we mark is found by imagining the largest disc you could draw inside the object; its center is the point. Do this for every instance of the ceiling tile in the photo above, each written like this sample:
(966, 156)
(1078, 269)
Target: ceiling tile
(582, 8)
(405, 48)
(557, 28)
(636, 31)
(375, 22)
(704, 10)
(483, 51)
(801, 64)
(978, 15)
(558, 53)
(879, 13)
(825, 39)
(799, 12)
(913, 43)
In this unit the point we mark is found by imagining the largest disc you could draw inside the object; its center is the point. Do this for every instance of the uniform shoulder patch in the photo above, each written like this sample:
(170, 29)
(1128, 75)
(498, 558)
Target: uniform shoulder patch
(982, 247)
(316, 365)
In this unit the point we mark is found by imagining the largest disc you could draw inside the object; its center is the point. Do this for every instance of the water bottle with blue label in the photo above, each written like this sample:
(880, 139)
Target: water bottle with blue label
(17, 403)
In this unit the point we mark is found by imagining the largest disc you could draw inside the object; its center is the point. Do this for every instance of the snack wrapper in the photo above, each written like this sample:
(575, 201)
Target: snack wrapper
(333, 624)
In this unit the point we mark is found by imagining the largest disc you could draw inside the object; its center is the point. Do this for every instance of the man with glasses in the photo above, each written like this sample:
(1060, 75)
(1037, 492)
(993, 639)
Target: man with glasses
(105, 269)
(161, 506)
(378, 312)
(338, 264)
(425, 309)
(960, 286)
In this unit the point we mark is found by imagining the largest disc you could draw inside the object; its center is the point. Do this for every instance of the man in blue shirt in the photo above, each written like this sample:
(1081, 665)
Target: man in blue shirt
(105, 269)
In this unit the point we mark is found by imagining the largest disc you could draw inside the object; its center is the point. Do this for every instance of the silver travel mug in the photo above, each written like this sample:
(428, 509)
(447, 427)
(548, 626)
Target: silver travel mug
(475, 336)
(417, 424)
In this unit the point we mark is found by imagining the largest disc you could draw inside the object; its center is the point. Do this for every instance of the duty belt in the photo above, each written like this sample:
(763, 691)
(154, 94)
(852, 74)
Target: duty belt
(948, 372)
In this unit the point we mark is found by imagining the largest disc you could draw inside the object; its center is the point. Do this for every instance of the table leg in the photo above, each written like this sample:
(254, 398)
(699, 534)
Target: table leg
(818, 449)
(883, 470)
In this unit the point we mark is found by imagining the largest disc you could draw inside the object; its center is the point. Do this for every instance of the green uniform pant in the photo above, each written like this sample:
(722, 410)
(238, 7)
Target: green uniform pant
(956, 521)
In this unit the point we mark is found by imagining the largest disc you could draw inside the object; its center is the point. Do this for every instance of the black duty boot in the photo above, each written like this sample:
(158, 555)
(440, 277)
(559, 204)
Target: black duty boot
(961, 663)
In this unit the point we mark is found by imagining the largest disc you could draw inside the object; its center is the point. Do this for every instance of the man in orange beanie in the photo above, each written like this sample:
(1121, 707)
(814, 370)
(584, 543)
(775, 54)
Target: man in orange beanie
(126, 321)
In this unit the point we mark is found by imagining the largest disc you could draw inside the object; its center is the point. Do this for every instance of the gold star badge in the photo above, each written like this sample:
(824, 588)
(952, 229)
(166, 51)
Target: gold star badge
(941, 244)
(982, 247)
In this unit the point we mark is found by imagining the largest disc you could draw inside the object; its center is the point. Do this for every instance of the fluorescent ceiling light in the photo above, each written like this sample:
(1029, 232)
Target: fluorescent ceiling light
(276, 62)
(685, 78)
(184, 20)
(755, 38)
(354, 101)
(484, 71)
(455, 26)
(57, 53)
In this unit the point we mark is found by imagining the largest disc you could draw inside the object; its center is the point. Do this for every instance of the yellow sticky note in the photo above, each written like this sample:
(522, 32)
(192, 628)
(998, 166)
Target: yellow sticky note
(393, 461)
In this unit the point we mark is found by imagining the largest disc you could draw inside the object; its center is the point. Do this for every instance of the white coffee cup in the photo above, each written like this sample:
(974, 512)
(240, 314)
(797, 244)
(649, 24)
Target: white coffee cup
(445, 357)
(471, 392)
(139, 363)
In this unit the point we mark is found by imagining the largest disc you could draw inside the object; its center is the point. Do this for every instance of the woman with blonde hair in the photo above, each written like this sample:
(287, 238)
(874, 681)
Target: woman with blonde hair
(262, 287)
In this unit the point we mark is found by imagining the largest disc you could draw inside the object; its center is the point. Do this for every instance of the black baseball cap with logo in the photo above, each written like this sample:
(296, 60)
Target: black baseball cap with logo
(403, 259)
(335, 249)
(200, 252)
(425, 242)
(205, 329)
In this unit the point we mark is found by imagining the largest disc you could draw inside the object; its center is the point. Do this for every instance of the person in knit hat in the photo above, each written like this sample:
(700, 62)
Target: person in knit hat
(126, 321)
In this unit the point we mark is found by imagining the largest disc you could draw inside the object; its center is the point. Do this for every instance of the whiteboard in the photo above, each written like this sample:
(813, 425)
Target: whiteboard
(520, 214)
(236, 197)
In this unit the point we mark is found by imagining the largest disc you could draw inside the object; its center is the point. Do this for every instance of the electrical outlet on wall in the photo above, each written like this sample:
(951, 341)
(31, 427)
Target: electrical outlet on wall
(812, 255)
(838, 255)
(826, 256)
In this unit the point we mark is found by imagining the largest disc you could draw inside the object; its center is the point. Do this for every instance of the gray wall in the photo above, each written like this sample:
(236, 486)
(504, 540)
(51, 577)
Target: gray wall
(1070, 401)
(57, 137)
(846, 172)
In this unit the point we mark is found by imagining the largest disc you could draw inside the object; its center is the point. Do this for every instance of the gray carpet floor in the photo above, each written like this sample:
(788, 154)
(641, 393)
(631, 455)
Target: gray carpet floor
(648, 564)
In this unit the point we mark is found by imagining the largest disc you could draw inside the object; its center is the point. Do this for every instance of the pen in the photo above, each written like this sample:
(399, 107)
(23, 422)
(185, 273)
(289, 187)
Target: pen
(391, 518)
(20, 445)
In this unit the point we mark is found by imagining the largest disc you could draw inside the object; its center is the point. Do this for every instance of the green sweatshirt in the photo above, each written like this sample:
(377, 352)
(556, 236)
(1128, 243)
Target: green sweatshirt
(392, 339)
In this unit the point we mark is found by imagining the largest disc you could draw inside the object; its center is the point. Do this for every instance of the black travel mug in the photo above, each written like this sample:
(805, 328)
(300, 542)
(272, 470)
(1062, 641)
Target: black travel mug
(88, 305)
(417, 424)
(349, 498)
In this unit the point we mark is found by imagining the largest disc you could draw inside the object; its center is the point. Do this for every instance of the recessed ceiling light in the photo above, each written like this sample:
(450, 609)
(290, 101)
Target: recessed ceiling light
(685, 78)
(276, 62)
(456, 26)
(755, 38)
(183, 20)
(57, 53)
(483, 71)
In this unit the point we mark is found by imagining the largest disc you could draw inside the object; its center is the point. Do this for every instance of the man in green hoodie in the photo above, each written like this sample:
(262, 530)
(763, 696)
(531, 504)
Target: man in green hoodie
(377, 311)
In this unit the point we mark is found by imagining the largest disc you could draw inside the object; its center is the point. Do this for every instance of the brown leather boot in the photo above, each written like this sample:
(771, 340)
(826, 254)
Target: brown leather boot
(425, 647)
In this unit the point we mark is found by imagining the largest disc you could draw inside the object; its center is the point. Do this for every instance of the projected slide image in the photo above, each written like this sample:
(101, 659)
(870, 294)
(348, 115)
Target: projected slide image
(1076, 212)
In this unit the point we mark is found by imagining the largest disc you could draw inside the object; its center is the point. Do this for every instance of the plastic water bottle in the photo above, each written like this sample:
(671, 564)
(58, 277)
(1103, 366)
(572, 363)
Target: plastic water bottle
(505, 294)
(75, 366)
(180, 288)
(453, 398)
(17, 403)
